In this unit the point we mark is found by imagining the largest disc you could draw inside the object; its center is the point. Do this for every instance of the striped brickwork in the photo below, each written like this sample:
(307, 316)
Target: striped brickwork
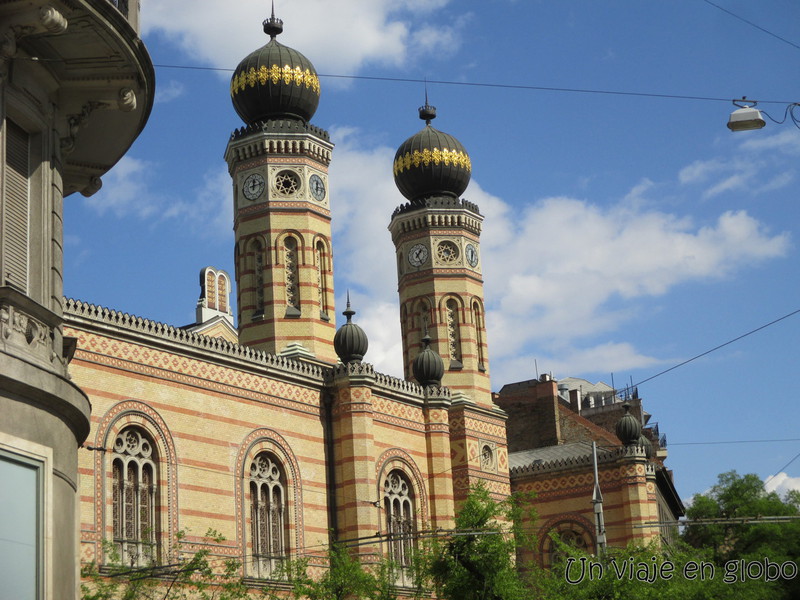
(444, 293)
(283, 252)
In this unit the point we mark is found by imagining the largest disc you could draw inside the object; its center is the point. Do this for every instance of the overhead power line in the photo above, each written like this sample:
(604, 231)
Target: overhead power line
(743, 20)
(507, 86)
(715, 348)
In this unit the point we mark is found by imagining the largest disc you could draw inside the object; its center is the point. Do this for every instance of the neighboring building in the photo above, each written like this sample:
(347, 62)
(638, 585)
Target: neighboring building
(76, 88)
(552, 426)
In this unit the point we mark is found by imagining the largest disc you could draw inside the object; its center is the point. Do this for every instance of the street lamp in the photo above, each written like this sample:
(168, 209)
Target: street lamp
(745, 117)
(748, 117)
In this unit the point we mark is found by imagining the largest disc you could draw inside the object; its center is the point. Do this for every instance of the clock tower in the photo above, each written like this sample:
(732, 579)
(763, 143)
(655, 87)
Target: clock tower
(437, 241)
(279, 165)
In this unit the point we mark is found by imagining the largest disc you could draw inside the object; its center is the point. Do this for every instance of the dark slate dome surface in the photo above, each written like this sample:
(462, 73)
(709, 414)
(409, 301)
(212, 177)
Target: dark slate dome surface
(350, 341)
(428, 366)
(645, 443)
(431, 163)
(628, 428)
(275, 82)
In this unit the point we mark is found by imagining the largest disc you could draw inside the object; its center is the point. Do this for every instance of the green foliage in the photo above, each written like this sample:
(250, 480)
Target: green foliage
(736, 496)
(476, 562)
(345, 578)
(636, 573)
(198, 577)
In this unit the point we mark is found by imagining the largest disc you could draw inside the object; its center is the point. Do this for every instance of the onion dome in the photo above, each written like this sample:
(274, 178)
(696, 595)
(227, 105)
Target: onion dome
(350, 341)
(644, 442)
(275, 82)
(428, 367)
(628, 428)
(431, 163)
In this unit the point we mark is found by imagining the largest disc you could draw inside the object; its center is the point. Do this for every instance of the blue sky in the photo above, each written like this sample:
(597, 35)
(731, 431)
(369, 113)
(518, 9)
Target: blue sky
(624, 234)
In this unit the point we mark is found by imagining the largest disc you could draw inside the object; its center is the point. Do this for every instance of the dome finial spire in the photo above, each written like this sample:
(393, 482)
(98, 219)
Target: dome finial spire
(349, 312)
(350, 341)
(427, 113)
(272, 26)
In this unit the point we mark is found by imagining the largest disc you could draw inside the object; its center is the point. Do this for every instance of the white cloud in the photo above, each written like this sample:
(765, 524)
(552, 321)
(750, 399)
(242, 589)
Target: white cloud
(343, 36)
(700, 170)
(125, 191)
(787, 141)
(129, 190)
(782, 483)
(169, 91)
(555, 267)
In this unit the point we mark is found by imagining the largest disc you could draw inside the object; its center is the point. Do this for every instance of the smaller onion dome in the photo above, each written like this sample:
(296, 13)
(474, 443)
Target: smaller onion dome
(628, 428)
(644, 442)
(431, 163)
(428, 366)
(275, 82)
(350, 341)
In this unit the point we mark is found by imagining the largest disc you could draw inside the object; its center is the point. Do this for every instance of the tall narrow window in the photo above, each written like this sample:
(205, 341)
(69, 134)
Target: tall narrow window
(292, 275)
(211, 289)
(134, 495)
(267, 515)
(322, 278)
(453, 334)
(14, 209)
(478, 316)
(222, 293)
(398, 505)
(257, 263)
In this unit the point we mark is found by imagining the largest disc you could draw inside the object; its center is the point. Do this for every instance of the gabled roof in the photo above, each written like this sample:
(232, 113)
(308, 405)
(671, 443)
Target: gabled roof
(217, 326)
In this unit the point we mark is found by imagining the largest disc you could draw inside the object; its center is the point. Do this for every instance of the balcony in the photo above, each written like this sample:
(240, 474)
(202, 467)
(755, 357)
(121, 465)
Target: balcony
(84, 57)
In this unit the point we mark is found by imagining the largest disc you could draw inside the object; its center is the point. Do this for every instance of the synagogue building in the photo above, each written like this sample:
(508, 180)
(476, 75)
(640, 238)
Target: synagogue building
(262, 420)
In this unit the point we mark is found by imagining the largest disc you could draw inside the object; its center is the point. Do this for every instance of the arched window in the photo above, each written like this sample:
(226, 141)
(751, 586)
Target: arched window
(222, 293)
(257, 266)
(322, 278)
(569, 533)
(479, 329)
(135, 497)
(453, 333)
(398, 506)
(292, 275)
(267, 514)
(211, 289)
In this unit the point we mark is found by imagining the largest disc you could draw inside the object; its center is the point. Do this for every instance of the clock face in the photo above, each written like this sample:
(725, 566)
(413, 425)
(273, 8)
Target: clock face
(417, 255)
(253, 186)
(472, 255)
(317, 187)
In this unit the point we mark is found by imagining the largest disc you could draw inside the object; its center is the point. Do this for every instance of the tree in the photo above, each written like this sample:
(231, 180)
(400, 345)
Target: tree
(734, 497)
(345, 578)
(198, 577)
(637, 573)
(476, 562)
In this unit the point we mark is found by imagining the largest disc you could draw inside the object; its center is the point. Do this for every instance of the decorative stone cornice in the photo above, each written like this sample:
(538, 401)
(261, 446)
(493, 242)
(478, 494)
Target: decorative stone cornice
(603, 457)
(104, 320)
(276, 137)
(436, 213)
(438, 202)
(44, 20)
(31, 330)
(355, 373)
(280, 127)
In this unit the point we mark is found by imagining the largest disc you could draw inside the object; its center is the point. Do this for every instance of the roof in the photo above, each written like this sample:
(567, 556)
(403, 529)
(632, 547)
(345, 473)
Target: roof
(584, 385)
(549, 453)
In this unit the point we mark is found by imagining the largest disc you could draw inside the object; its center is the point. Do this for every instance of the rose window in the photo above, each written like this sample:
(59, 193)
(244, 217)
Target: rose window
(447, 252)
(287, 183)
